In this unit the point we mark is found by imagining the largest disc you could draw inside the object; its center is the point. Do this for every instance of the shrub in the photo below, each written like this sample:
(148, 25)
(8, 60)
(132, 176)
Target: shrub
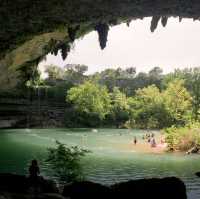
(183, 138)
(65, 162)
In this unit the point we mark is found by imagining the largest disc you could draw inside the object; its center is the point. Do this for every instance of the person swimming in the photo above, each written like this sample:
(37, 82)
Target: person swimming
(153, 142)
(94, 130)
(135, 140)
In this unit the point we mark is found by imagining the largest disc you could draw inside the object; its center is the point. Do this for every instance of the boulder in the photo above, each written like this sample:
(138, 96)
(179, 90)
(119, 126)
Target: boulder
(21, 184)
(85, 189)
(197, 174)
(50, 196)
(2, 197)
(7, 195)
(31, 196)
(17, 186)
(13, 183)
(166, 188)
(49, 186)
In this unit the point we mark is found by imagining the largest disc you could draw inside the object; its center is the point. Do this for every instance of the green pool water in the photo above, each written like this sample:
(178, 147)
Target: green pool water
(110, 161)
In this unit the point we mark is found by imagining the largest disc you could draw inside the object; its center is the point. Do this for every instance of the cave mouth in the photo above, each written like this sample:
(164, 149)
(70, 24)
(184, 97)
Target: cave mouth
(170, 47)
(31, 107)
(32, 29)
(20, 59)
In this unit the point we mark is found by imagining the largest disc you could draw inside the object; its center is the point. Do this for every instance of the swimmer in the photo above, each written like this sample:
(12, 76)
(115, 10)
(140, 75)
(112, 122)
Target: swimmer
(135, 140)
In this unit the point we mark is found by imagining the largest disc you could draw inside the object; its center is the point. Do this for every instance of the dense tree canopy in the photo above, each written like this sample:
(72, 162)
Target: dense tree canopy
(191, 79)
(124, 98)
(90, 99)
(148, 109)
(120, 107)
(177, 101)
(54, 72)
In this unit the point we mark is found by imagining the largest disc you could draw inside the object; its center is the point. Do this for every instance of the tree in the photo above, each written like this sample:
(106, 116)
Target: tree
(194, 84)
(75, 73)
(123, 79)
(191, 79)
(91, 100)
(156, 72)
(54, 72)
(120, 107)
(131, 72)
(147, 108)
(155, 76)
(108, 78)
(177, 101)
(65, 161)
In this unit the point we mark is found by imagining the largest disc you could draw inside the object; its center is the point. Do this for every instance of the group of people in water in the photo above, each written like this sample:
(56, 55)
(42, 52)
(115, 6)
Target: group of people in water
(149, 138)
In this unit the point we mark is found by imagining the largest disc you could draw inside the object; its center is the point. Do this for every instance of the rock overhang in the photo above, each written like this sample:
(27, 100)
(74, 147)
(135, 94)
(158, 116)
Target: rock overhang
(27, 22)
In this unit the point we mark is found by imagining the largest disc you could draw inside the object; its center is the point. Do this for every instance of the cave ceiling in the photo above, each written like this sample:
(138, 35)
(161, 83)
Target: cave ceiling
(30, 29)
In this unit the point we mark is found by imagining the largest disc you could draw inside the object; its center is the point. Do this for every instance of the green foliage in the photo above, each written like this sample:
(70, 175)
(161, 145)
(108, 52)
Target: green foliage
(65, 162)
(191, 79)
(120, 97)
(74, 74)
(147, 109)
(120, 107)
(183, 138)
(177, 102)
(151, 108)
(54, 72)
(90, 99)
(127, 80)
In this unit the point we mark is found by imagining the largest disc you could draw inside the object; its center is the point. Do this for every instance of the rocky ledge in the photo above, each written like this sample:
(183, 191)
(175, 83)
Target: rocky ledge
(14, 186)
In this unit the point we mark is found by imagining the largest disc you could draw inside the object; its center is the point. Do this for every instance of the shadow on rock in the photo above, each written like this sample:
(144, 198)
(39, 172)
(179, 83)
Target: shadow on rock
(87, 190)
(17, 187)
(166, 188)
(14, 183)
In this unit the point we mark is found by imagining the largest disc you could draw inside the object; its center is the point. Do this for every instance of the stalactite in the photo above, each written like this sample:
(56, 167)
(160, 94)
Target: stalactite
(164, 20)
(72, 31)
(128, 22)
(154, 23)
(65, 49)
(102, 30)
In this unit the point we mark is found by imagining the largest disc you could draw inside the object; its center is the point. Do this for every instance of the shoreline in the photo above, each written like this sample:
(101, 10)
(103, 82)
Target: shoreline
(145, 148)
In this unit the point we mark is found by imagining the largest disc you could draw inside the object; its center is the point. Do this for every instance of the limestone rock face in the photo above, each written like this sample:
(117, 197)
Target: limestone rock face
(20, 20)
(30, 29)
(26, 56)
